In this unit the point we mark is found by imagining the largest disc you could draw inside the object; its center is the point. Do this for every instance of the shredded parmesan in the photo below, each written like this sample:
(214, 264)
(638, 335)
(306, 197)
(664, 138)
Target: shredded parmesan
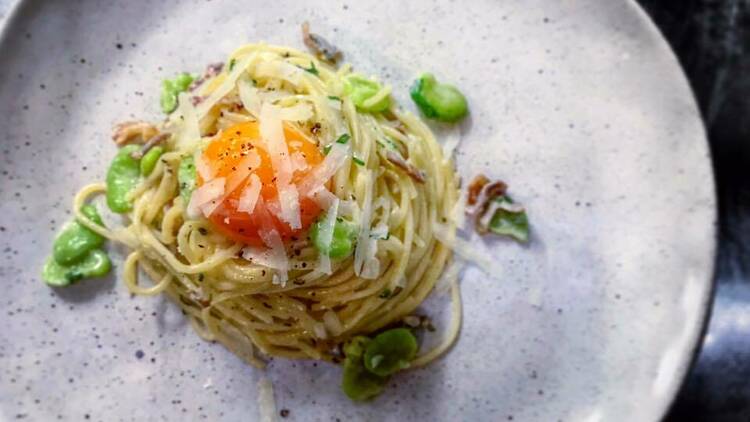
(366, 265)
(249, 196)
(320, 331)
(297, 113)
(326, 235)
(272, 131)
(332, 323)
(452, 139)
(336, 158)
(204, 169)
(189, 133)
(226, 86)
(464, 249)
(266, 401)
(458, 213)
(324, 198)
(279, 69)
(241, 171)
(249, 97)
(299, 163)
(206, 194)
(277, 252)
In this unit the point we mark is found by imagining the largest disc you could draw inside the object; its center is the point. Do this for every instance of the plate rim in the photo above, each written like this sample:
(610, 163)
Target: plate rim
(698, 333)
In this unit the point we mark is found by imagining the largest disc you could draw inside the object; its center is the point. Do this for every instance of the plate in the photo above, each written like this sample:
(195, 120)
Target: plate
(579, 105)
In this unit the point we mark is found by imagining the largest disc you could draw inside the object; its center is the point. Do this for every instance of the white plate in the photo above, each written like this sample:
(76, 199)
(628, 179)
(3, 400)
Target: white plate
(579, 105)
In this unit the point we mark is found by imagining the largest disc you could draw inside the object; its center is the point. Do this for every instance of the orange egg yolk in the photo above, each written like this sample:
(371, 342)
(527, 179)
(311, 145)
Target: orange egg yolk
(224, 154)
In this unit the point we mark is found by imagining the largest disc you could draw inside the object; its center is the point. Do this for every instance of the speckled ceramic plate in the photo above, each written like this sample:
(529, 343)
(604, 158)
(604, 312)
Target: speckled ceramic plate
(578, 104)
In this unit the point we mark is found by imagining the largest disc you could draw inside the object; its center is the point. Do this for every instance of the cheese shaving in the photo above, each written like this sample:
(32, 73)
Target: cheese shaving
(279, 69)
(241, 172)
(186, 117)
(336, 158)
(365, 263)
(272, 131)
(249, 97)
(297, 113)
(299, 163)
(210, 191)
(226, 86)
(266, 401)
(205, 170)
(249, 196)
(325, 234)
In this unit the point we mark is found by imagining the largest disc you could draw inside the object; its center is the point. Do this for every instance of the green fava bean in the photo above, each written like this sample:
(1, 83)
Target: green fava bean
(342, 243)
(360, 90)
(149, 160)
(182, 82)
(187, 178)
(355, 348)
(358, 383)
(168, 98)
(76, 240)
(438, 101)
(95, 264)
(122, 177)
(171, 88)
(390, 351)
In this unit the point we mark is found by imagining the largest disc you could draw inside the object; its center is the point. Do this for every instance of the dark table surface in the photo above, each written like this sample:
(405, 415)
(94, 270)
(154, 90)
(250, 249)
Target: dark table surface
(712, 40)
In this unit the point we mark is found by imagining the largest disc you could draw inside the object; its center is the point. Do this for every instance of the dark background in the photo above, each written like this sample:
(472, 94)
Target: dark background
(712, 40)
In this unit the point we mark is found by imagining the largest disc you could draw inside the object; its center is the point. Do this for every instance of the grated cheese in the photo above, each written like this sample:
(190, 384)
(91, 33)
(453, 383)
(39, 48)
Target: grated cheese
(299, 163)
(297, 113)
(266, 401)
(332, 323)
(272, 131)
(205, 170)
(326, 234)
(210, 191)
(243, 170)
(249, 196)
(249, 97)
(464, 249)
(279, 69)
(226, 86)
(318, 177)
(366, 265)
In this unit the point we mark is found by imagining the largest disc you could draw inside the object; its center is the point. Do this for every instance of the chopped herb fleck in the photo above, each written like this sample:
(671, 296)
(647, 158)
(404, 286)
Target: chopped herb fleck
(312, 69)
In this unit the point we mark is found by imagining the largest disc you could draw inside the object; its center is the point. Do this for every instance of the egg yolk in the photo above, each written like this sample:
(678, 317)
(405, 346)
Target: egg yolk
(224, 154)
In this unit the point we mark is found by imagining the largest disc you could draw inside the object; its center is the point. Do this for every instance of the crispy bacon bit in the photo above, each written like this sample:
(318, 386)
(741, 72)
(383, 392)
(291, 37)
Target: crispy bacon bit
(481, 194)
(130, 132)
(155, 140)
(323, 49)
(475, 188)
(413, 172)
(211, 70)
(495, 190)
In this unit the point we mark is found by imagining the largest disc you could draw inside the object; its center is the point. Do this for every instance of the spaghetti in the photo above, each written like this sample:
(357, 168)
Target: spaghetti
(272, 292)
